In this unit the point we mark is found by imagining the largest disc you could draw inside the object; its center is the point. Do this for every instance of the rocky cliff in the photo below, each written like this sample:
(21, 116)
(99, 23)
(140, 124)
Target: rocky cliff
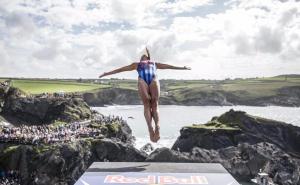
(20, 109)
(244, 144)
(63, 163)
(112, 96)
(286, 96)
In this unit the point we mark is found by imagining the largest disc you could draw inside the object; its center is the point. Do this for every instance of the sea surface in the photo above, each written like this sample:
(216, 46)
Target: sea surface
(174, 117)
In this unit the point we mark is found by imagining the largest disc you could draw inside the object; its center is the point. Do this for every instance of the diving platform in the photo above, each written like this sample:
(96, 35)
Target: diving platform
(155, 173)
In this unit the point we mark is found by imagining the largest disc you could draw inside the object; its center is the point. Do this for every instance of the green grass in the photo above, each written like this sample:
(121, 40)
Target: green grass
(10, 149)
(214, 125)
(51, 86)
(43, 148)
(6, 153)
(58, 123)
(180, 89)
(244, 88)
(124, 84)
(113, 127)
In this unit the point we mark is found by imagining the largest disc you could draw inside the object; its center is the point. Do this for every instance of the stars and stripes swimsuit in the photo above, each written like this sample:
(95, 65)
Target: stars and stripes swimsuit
(147, 70)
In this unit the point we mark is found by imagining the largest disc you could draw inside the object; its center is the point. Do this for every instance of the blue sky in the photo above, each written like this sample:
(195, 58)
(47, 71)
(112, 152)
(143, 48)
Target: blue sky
(84, 38)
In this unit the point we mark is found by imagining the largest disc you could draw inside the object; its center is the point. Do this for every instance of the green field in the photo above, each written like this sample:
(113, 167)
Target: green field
(246, 88)
(51, 86)
(180, 89)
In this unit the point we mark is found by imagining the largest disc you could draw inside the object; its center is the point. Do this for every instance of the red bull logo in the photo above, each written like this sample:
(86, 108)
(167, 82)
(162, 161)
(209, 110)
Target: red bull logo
(152, 179)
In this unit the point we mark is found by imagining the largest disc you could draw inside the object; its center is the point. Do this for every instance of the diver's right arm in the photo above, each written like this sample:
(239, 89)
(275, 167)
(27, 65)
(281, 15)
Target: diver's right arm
(130, 67)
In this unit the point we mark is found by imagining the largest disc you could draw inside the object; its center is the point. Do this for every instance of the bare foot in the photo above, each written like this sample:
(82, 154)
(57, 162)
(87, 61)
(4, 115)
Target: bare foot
(157, 133)
(152, 135)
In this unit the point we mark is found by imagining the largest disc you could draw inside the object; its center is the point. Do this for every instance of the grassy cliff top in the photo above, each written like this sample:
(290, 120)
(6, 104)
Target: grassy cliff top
(35, 86)
(214, 125)
(237, 120)
(245, 88)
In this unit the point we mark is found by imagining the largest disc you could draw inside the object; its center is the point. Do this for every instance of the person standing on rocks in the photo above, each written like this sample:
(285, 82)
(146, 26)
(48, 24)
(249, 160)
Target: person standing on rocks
(148, 88)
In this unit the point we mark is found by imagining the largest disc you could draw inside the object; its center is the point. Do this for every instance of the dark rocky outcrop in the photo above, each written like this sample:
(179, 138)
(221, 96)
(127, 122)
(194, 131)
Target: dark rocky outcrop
(236, 127)
(243, 144)
(114, 129)
(243, 161)
(63, 163)
(147, 148)
(7, 92)
(20, 109)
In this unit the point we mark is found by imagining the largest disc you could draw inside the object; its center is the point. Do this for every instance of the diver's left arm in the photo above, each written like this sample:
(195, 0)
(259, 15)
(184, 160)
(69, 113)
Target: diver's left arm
(167, 66)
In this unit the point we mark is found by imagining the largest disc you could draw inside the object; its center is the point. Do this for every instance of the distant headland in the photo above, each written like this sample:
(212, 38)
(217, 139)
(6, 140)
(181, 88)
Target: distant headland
(282, 90)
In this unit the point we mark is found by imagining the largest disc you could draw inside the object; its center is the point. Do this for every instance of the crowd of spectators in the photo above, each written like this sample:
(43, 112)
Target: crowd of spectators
(108, 119)
(59, 95)
(5, 83)
(37, 134)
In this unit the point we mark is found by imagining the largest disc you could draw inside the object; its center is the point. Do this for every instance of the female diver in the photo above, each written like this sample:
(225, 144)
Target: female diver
(148, 88)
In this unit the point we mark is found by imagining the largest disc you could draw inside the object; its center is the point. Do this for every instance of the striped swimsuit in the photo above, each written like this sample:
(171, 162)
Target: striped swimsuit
(147, 70)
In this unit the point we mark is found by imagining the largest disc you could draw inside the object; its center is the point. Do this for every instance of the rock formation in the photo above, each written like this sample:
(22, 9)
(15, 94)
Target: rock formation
(32, 110)
(63, 163)
(285, 96)
(112, 96)
(243, 144)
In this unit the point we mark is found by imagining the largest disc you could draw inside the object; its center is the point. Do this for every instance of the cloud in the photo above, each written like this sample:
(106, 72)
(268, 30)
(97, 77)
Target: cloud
(242, 44)
(287, 16)
(89, 37)
(269, 40)
(18, 24)
(48, 52)
(182, 6)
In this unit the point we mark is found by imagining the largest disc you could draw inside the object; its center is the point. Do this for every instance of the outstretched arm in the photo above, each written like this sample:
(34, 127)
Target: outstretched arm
(167, 66)
(121, 69)
(148, 53)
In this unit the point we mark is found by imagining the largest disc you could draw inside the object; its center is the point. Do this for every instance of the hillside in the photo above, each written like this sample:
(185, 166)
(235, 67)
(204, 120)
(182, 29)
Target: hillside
(282, 90)
(38, 86)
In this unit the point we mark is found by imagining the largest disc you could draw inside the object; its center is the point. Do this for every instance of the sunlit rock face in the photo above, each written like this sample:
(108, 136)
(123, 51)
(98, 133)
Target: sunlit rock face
(21, 109)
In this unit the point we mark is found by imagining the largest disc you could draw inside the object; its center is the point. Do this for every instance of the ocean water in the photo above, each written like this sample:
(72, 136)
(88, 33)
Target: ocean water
(174, 117)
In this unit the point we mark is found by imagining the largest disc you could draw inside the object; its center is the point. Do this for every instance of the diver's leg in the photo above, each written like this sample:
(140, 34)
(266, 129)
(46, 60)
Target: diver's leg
(143, 90)
(155, 92)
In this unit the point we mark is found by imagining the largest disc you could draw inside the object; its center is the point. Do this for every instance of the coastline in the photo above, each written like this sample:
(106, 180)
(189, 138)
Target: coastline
(240, 141)
(287, 96)
(192, 114)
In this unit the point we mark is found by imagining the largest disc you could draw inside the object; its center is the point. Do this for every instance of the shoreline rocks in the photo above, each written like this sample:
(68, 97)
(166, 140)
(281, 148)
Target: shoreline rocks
(18, 109)
(286, 96)
(63, 163)
(243, 144)
(234, 127)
